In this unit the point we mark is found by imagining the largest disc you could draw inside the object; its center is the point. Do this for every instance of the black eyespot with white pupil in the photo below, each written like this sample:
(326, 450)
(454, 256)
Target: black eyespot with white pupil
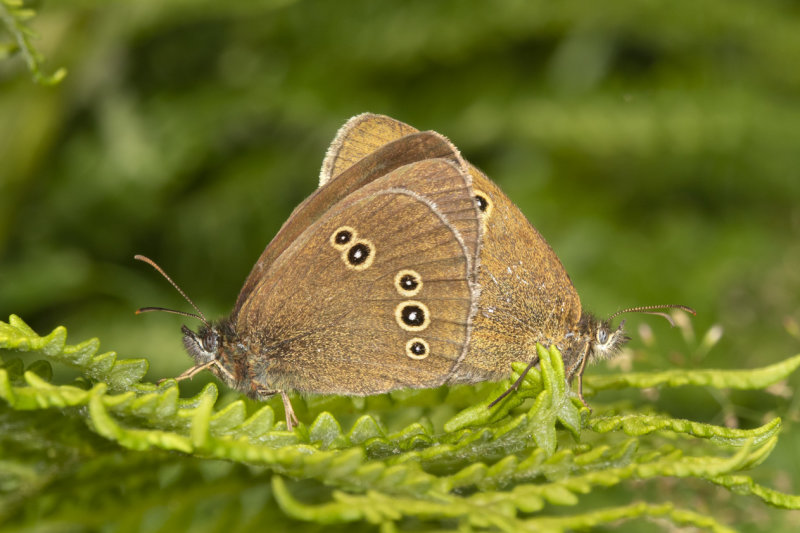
(417, 348)
(484, 203)
(358, 254)
(343, 237)
(413, 315)
(409, 282)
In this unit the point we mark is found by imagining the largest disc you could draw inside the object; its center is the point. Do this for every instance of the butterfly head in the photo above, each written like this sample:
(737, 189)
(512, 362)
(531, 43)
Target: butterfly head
(214, 347)
(604, 341)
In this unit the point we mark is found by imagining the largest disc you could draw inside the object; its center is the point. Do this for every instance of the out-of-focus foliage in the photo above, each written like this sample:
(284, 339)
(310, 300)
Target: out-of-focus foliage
(654, 144)
(13, 16)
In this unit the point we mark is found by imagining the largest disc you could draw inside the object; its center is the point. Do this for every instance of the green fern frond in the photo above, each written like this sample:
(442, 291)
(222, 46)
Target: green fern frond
(678, 517)
(719, 379)
(117, 375)
(480, 511)
(13, 15)
(508, 467)
(643, 424)
(745, 485)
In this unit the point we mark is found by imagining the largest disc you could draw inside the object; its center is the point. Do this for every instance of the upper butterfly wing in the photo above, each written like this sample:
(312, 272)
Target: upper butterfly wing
(373, 296)
(360, 136)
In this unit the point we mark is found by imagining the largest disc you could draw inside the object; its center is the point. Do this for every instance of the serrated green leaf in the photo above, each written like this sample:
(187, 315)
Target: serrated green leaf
(757, 378)
(636, 425)
(506, 463)
(13, 16)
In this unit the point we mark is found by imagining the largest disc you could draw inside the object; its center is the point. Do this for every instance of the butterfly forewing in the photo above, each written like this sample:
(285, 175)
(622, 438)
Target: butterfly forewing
(353, 333)
(378, 288)
(375, 165)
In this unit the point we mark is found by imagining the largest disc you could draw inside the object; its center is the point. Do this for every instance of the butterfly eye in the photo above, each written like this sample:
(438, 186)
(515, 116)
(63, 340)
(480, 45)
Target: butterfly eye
(211, 341)
(602, 335)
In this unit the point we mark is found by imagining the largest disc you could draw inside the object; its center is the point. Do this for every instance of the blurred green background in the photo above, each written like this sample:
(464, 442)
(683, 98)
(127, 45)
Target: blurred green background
(656, 145)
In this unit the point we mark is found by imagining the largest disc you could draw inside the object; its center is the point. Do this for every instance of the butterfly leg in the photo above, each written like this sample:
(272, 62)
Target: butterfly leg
(287, 409)
(190, 373)
(581, 367)
(291, 418)
(514, 386)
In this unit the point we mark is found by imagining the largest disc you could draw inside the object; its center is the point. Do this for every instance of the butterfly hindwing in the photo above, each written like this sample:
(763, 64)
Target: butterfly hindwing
(526, 294)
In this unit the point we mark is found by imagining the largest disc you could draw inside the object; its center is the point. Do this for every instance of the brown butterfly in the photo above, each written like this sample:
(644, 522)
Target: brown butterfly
(406, 268)
(526, 296)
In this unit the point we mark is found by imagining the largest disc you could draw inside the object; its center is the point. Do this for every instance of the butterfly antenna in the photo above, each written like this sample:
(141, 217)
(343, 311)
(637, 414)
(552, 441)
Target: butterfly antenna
(655, 310)
(152, 263)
